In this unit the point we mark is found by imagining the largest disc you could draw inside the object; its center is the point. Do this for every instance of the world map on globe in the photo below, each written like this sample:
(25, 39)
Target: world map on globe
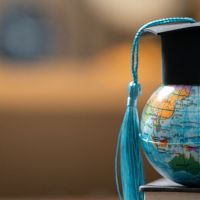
(170, 132)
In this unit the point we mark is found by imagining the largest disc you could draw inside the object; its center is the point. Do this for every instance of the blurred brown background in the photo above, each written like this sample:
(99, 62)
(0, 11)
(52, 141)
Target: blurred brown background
(64, 71)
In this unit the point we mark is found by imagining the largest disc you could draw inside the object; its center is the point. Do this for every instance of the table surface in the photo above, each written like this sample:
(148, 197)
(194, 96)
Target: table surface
(61, 198)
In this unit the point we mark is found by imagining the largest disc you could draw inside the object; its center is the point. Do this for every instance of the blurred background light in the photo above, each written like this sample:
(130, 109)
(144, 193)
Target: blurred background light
(25, 34)
(128, 15)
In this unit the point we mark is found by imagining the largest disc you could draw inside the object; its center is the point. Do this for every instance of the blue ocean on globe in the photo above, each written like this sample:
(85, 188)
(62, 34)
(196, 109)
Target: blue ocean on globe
(170, 132)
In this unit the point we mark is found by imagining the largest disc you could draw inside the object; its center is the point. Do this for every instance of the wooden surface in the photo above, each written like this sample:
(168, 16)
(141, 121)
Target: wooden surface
(62, 198)
(60, 119)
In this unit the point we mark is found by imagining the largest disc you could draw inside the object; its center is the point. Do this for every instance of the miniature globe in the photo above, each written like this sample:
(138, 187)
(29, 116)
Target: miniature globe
(170, 132)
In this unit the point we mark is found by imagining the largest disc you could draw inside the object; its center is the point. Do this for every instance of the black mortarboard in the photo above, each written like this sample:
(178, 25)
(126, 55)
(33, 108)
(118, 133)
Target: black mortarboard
(180, 52)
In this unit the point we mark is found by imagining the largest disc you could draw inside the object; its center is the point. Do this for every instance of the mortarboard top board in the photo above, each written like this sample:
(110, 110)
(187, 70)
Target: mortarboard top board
(158, 30)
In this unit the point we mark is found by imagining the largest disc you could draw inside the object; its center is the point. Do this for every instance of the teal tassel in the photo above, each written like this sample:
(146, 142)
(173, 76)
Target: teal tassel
(130, 157)
(128, 146)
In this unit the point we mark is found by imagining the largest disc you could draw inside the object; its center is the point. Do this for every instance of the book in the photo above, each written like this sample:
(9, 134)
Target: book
(165, 189)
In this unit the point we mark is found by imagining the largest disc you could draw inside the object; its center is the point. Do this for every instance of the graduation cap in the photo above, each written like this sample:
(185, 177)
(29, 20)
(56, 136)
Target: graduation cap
(180, 41)
(180, 51)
